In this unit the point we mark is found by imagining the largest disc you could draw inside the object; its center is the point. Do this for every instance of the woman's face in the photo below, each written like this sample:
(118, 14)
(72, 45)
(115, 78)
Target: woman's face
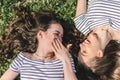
(54, 31)
(94, 44)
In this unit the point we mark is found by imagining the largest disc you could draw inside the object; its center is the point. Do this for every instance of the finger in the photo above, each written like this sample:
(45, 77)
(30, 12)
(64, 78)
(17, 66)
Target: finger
(68, 46)
(54, 47)
(62, 47)
(58, 42)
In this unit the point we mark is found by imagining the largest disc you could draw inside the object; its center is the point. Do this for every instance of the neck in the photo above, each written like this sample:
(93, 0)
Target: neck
(43, 55)
(86, 61)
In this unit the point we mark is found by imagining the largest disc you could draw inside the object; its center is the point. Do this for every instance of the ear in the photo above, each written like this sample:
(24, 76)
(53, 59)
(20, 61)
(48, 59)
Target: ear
(39, 34)
(100, 54)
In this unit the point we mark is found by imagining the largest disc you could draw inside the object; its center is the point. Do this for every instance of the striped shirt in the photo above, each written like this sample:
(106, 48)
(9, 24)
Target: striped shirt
(38, 70)
(99, 12)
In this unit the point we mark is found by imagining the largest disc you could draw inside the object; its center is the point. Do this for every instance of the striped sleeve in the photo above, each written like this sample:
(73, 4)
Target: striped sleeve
(72, 62)
(99, 22)
(99, 12)
(17, 63)
(81, 23)
(115, 24)
(104, 11)
(84, 24)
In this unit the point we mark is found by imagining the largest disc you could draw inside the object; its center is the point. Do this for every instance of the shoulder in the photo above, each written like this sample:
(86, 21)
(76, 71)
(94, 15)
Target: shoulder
(28, 55)
(25, 55)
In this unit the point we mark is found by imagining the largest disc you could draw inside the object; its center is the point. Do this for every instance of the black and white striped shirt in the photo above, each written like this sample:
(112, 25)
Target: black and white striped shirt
(99, 12)
(38, 70)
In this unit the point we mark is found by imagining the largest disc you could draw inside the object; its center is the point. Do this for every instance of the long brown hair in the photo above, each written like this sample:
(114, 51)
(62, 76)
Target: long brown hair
(108, 67)
(20, 35)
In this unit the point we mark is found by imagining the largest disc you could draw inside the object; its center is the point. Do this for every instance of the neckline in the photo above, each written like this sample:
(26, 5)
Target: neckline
(37, 60)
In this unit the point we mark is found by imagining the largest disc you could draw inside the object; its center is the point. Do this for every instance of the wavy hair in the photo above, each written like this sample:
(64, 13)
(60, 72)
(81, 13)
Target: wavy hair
(20, 35)
(108, 67)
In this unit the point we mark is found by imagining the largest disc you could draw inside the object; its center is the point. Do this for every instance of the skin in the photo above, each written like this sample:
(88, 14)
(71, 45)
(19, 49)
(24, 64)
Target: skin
(62, 53)
(81, 8)
(44, 50)
(87, 47)
(92, 47)
(46, 38)
(95, 40)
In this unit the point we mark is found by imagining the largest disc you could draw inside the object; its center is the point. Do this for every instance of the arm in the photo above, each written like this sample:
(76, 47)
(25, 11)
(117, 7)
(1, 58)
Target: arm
(68, 71)
(9, 75)
(62, 53)
(81, 19)
(114, 32)
(81, 7)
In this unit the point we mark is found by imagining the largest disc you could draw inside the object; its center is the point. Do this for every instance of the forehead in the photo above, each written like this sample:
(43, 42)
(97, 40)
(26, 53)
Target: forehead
(56, 27)
(100, 37)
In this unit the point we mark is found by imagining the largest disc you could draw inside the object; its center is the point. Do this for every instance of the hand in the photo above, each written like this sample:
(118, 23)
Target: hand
(60, 51)
(103, 34)
(115, 34)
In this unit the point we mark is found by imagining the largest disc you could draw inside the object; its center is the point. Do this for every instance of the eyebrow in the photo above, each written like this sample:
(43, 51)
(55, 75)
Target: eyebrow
(96, 35)
(58, 32)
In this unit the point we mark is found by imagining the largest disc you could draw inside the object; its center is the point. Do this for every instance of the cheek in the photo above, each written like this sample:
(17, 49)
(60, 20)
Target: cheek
(51, 39)
(97, 46)
(60, 38)
(82, 48)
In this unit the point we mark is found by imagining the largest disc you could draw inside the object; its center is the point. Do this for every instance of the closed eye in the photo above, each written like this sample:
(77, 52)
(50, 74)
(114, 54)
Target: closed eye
(96, 36)
(57, 34)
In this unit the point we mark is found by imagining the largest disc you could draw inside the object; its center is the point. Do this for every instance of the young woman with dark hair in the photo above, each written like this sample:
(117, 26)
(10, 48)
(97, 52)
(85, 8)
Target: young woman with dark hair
(33, 34)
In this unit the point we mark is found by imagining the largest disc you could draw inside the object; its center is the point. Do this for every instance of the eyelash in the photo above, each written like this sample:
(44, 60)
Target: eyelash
(95, 34)
(56, 34)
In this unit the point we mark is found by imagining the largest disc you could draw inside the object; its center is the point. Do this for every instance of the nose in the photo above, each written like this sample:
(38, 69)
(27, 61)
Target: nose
(58, 37)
